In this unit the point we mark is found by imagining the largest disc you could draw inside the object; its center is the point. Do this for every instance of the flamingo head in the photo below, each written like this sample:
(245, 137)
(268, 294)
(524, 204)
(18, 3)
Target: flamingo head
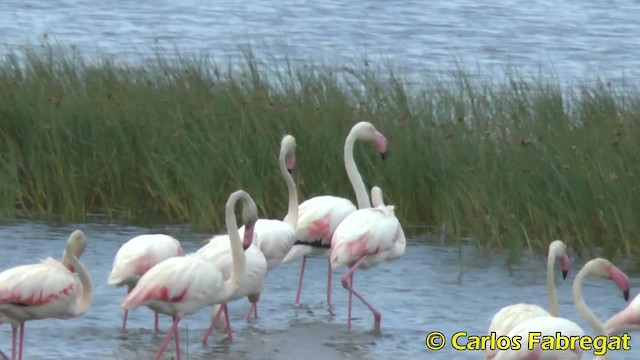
(366, 131)
(76, 245)
(558, 250)
(626, 320)
(605, 269)
(288, 151)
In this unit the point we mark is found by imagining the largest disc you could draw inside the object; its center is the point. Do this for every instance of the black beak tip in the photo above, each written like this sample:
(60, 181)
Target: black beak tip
(383, 155)
(626, 295)
(290, 171)
(564, 274)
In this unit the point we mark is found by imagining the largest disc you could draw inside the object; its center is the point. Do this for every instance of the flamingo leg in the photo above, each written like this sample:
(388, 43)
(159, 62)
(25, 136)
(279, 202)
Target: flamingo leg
(165, 342)
(156, 329)
(214, 321)
(124, 321)
(347, 285)
(329, 273)
(3, 356)
(21, 340)
(304, 261)
(14, 336)
(177, 338)
(226, 318)
(350, 301)
(251, 308)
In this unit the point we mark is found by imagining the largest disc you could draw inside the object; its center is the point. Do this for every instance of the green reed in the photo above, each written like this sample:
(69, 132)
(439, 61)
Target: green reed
(514, 163)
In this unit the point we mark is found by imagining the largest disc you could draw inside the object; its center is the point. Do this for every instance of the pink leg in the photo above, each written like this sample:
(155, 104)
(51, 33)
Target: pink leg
(214, 321)
(177, 338)
(14, 345)
(345, 283)
(255, 310)
(253, 306)
(124, 321)
(350, 301)
(3, 356)
(329, 273)
(21, 339)
(304, 260)
(165, 342)
(155, 325)
(226, 316)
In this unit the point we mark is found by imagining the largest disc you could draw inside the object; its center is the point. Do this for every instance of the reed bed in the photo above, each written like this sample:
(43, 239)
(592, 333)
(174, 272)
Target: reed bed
(513, 163)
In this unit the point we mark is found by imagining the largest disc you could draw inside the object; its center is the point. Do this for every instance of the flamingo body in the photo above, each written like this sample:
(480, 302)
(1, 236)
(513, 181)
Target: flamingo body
(318, 218)
(136, 257)
(274, 238)
(218, 253)
(178, 286)
(547, 326)
(39, 291)
(374, 233)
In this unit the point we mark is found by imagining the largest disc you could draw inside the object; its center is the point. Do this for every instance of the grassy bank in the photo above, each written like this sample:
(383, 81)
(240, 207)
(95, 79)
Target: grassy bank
(514, 163)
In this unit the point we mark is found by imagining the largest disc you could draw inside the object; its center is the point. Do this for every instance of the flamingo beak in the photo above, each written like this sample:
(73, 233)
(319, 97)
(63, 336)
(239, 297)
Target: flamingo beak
(564, 274)
(290, 171)
(383, 155)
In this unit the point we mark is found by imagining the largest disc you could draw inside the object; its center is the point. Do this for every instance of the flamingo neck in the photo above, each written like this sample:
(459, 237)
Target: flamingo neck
(237, 253)
(292, 214)
(551, 287)
(354, 175)
(582, 307)
(83, 302)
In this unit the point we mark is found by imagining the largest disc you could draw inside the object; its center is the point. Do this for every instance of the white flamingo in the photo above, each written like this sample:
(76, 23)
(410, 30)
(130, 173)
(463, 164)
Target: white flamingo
(550, 325)
(181, 286)
(274, 238)
(509, 316)
(48, 289)
(319, 216)
(136, 257)
(365, 238)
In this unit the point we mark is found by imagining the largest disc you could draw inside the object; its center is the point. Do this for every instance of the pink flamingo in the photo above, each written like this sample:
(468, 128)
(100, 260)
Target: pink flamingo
(136, 257)
(509, 316)
(365, 238)
(48, 289)
(319, 216)
(274, 238)
(181, 286)
(550, 325)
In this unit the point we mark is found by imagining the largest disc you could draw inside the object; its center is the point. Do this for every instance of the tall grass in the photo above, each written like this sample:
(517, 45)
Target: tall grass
(513, 163)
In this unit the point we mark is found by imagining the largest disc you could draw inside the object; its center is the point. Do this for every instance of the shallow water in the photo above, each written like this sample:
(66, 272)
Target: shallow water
(572, 39)
(427, 290)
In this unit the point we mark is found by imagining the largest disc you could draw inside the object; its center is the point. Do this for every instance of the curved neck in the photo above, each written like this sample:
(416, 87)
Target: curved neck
(354, 175)
(551, 287)
(292, 214)
(581, 306)
(83, 302)
(237, 253)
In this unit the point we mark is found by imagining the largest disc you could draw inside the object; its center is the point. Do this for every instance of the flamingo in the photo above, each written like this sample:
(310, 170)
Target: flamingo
(319, 216)
(550, 325)
(626, 320)
(180, 286)
(274, 238)
(509, 316)
(48, 289)
(137, 256)
(365, 238)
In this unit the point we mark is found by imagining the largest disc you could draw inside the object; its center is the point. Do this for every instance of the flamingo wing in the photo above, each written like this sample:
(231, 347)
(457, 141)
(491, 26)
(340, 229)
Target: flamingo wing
(37, 284)
(319, 216)
(138, 255)
(177, 279)
(364, 232)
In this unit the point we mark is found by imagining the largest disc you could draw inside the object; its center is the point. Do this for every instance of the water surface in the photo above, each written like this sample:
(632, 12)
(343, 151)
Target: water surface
(433, 288)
